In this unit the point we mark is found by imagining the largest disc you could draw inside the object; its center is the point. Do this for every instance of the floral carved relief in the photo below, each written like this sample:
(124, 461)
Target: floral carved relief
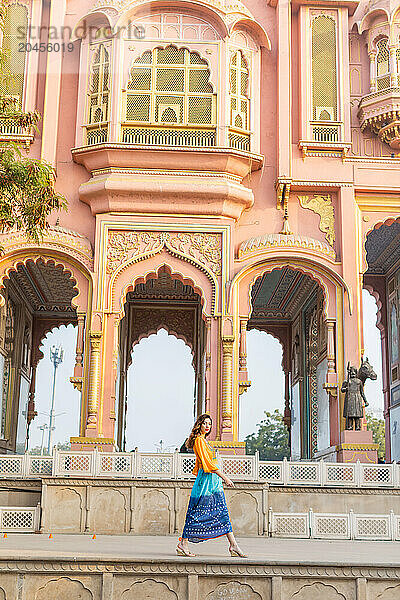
(322, 206)
(203, 248)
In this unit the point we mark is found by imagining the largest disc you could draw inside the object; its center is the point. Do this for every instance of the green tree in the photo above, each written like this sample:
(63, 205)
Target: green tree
(27, 193)
(60, 446)
(377, 426)
(271, 439)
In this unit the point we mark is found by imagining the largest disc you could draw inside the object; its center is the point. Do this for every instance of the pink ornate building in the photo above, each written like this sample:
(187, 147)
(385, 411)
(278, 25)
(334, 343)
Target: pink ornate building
(227, 166)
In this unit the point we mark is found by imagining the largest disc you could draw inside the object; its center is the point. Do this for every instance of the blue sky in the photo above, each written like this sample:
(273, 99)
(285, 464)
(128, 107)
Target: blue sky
(161, 385)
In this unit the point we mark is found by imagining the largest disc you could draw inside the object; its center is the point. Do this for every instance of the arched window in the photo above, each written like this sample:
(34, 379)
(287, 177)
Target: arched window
(382, 64)
(14, 34)
(170, 86)
(324, 72)
(99, 95)
(240, 103)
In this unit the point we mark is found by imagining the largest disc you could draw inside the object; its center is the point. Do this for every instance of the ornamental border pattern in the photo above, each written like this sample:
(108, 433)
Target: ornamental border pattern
(200, 247)
(179, 567)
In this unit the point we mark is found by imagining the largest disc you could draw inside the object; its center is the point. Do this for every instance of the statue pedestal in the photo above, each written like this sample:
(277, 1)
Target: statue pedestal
(357, 445)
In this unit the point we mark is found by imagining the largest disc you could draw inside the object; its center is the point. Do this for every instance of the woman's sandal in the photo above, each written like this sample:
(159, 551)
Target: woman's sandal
(237, 553)
(181, 552)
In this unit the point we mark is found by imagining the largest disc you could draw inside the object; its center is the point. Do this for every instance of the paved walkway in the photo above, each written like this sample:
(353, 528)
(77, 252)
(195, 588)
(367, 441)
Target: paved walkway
(156, 549)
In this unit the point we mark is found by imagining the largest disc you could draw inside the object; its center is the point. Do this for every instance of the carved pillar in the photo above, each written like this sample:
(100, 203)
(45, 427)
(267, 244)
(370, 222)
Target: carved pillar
(393, 66)
(31, 412)
(372, 70)
(208, 364)
(331, 383)
(243, 345)
(330, 325)
(76, 380)
(94, 379)
(227, 358)
(287, 415)
(244, 382)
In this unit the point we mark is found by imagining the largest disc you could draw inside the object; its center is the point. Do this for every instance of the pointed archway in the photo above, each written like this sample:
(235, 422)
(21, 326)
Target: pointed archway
(161, 301)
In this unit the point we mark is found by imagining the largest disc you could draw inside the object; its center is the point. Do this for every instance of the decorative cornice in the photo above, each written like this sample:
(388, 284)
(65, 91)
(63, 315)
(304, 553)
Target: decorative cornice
(198, 566)
(92, 440)
(155, 172)
(225, 7)
(324, 149)
(54, 237)
(256, 245)
(279, 488)
(357, 447)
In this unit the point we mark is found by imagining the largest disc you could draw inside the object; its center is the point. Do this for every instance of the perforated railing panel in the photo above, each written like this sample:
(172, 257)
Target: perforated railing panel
(113, 464)
(290, 525)
(271, 472)
(15, 519)
(303, 472)
(340, 474)
(237, 467)
(331, 526)
(169, 137)
(372, 527)
(11, 465)
(153, 464)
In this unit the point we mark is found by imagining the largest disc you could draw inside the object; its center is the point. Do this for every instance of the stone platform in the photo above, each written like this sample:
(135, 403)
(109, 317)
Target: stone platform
(72, 567)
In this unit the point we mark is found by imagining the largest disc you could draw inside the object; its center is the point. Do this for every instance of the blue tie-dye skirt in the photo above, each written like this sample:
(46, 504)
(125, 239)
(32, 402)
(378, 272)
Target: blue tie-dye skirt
(207, 514)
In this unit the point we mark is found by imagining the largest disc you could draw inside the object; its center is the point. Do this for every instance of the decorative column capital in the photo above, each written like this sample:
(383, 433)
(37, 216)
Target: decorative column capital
(227, 343)
(95, 339)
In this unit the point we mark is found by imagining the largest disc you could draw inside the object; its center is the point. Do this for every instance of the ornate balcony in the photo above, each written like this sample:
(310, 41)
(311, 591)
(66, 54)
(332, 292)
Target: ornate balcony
(147, 177)
(380, 113)
(11, 132)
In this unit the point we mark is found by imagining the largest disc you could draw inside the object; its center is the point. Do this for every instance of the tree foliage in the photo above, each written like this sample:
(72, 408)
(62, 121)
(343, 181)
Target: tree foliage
(27, 193)
(271, 439)
(377, 426)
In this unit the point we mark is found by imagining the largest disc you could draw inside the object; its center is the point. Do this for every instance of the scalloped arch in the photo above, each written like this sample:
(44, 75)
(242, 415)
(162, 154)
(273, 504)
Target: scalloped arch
(43, 333)
(199, 278)
(275, 335)
(312, 591)
(182, 46)
(209, 11)
(328, 280)
(76, 271)
(368, 19)
(387, 221)
(170, 332)
(90, 19)
(376, 295)
(302, 270)
(63, 585)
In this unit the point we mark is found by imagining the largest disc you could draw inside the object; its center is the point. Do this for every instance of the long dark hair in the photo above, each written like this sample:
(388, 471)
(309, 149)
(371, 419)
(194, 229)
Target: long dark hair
(197, 429)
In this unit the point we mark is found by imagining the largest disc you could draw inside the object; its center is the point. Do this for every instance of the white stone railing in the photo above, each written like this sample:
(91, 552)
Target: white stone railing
(19, 519)
(348, 526)
(179, 466)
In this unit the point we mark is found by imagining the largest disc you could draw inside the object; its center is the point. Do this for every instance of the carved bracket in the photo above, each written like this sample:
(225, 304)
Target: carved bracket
(322, 206)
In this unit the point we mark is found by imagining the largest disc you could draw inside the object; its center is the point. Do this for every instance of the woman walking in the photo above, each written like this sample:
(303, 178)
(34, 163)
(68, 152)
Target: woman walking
(207, 514)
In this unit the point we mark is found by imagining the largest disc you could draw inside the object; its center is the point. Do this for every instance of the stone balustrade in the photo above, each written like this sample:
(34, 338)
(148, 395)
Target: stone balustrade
(143, 465)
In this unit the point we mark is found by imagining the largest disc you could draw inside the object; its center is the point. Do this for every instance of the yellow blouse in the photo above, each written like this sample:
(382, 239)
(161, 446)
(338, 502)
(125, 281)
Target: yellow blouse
(204, 456)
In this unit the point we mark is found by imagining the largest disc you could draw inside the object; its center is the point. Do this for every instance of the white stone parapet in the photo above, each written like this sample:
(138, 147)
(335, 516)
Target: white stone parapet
(331, 526)
(146, 465)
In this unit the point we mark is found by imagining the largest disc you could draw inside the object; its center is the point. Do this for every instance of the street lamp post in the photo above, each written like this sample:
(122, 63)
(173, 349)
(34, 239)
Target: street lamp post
(43, 428)
(56, 356)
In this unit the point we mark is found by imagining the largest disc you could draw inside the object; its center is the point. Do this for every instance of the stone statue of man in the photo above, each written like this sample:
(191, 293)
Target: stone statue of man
(354, 400)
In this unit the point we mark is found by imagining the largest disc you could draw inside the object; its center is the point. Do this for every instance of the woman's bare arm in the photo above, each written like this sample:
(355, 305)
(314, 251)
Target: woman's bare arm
(228, 481)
